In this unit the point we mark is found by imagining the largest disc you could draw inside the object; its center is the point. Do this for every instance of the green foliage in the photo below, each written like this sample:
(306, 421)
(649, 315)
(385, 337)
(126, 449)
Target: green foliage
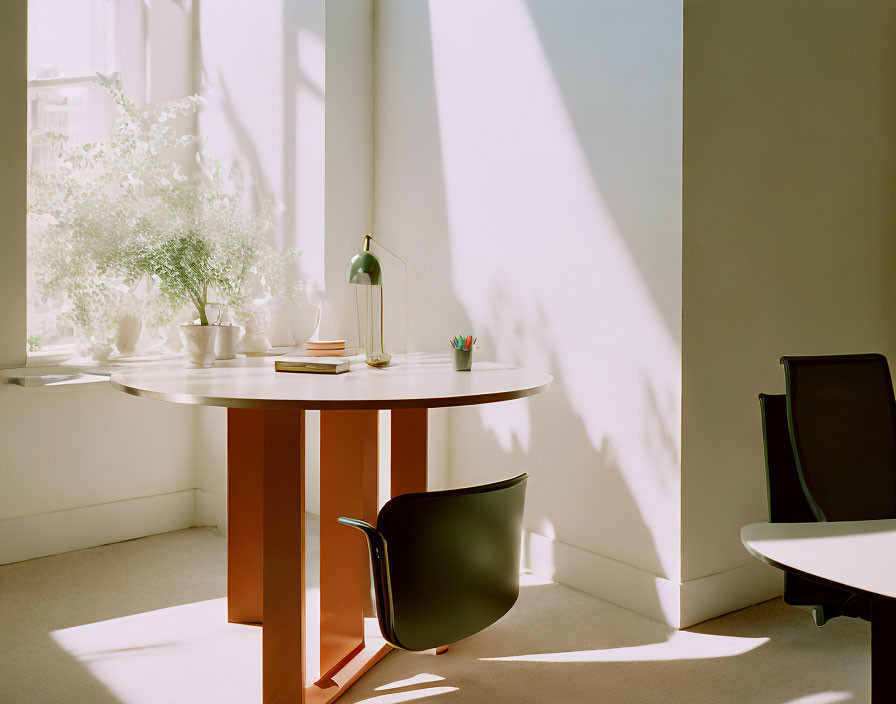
(121, 220)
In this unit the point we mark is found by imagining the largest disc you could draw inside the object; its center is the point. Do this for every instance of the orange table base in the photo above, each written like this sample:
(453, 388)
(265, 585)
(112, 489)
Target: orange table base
(348, 454)
(266, 538)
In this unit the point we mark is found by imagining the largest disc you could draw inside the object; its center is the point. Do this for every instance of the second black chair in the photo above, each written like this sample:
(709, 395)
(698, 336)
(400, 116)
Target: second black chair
(842, 416)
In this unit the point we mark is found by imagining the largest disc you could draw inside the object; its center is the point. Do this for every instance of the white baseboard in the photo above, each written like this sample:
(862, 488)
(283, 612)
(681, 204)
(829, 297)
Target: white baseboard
(724, 592)
(73, 529)
(664, 600)
(603, 577)
(210, 510)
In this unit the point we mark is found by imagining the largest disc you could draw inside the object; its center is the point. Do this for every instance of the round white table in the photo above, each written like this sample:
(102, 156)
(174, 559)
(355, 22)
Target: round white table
(857, 555)
(419, 381)
(266, 485)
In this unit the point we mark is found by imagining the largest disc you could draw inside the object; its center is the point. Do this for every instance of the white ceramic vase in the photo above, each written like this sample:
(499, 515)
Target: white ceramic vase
(255, 318)
(303, 313)
(129, 327)
(199, 344)
(225, 341)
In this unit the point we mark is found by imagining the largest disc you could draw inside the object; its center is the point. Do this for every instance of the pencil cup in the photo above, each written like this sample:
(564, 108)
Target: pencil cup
(463, 360)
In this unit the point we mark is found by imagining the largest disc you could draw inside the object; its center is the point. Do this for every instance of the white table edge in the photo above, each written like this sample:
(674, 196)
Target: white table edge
(318, 405)
(801, 573)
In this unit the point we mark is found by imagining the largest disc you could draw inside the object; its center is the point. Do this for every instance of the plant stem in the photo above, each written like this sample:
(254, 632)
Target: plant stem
(199, 304)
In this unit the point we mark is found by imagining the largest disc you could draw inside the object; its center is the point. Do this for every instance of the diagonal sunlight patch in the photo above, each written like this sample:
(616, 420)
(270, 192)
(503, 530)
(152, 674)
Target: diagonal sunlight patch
(422, 678)
(400, 697)
(823, 698)
(174, 654)
(680, 646)
(179, 653)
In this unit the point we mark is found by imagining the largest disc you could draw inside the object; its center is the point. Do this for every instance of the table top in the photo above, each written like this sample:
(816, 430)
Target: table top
(857, 554)
(411, 381)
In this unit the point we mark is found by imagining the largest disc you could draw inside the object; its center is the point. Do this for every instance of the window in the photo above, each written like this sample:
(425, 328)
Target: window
(69, 43)
(158, 181)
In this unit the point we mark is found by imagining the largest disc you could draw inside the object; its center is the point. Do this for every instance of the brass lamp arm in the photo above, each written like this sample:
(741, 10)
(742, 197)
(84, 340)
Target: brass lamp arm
(368, 238)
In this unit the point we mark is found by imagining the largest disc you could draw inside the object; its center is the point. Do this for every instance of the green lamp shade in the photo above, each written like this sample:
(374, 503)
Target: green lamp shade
(365, 270)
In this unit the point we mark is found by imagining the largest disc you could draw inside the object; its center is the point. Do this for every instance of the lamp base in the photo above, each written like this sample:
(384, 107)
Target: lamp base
(378, 360)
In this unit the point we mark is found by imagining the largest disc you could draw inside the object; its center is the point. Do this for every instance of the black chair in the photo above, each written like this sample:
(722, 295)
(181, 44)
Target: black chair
(842, 416)
(445, 563)
(787, 503)
(841, 419)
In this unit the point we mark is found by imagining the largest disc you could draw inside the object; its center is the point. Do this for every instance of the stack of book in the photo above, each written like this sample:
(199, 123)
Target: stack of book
(325, 348)
(320, 356)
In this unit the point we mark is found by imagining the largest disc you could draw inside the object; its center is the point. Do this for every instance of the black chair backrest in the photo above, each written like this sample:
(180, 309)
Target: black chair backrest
(453, 560)
(842, 415)
(786, 500)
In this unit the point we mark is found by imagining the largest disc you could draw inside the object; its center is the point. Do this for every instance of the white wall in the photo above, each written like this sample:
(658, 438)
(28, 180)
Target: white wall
(527, 164)
(349, 155)
(90, 465)
(789, 221)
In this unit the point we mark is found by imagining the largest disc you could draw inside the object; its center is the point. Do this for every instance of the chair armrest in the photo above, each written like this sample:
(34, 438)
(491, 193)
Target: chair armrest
(359, 524)
(374, 539)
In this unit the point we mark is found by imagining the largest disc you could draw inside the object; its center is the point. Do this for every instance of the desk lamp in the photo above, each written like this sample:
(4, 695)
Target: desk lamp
(366, 273)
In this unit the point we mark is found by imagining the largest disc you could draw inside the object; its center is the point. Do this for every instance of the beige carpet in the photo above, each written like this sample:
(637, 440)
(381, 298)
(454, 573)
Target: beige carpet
(143, 622)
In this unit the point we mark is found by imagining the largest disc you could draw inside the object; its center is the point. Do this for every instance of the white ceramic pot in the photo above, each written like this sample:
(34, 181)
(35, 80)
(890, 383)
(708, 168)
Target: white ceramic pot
(225, 341)
(199, 344)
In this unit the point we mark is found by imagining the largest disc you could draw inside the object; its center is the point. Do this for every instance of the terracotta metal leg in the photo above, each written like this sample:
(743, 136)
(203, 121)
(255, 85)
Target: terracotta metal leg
(283, 634)
(408, 450)
(348, 469)
(442, 649)
(245, 494)
(883, 650)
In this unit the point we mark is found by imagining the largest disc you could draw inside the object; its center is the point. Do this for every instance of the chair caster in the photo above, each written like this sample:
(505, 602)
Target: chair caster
(819, 616)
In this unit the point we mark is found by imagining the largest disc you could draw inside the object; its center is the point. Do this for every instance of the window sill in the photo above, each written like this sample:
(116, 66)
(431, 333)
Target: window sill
(65, 371)
(56, 376)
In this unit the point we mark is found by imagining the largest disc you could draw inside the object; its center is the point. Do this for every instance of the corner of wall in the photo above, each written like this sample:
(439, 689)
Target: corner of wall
(626, 586)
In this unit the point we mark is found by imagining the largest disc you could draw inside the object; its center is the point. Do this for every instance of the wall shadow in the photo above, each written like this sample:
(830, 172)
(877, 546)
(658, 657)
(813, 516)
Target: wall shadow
(533, 435)
(618, 68)
(583, 475)
(411, 213)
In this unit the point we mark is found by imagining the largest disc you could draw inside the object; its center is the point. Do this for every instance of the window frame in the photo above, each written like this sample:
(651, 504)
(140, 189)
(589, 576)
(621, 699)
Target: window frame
(13, 189)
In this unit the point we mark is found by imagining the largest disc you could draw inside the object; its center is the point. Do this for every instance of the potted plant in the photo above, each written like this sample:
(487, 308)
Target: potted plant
(119, 230)
(204, 251)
